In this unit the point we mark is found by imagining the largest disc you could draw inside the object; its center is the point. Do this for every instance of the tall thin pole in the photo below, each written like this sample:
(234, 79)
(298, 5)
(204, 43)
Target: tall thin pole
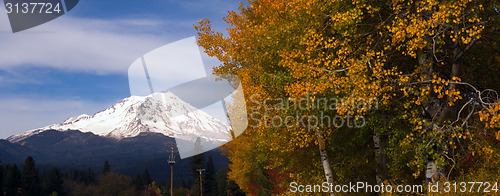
(201, 183)
(171, 161)
(171, 179)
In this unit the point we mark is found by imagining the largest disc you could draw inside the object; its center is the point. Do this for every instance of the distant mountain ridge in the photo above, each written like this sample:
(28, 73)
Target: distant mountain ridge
(162, 113)
(131, 134)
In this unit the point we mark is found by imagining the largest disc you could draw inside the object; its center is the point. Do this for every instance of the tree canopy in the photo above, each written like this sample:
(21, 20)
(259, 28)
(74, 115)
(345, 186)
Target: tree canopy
(418, 81)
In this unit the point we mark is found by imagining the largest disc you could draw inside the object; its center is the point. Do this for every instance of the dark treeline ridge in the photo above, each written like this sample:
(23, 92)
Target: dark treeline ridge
(27, 179)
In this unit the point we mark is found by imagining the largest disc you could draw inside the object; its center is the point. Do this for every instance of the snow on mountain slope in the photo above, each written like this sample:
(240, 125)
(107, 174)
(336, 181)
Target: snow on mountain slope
(162, 113)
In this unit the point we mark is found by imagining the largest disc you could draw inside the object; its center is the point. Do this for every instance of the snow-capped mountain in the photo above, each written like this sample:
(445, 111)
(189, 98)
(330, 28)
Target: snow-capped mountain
(162, 113)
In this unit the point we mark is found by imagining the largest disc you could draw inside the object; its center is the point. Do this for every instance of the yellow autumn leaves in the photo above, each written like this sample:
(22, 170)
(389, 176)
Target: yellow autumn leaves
(491, 117)
(400, 52)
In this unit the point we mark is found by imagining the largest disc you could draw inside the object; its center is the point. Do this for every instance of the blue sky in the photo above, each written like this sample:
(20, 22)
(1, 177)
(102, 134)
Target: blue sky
(78, 62)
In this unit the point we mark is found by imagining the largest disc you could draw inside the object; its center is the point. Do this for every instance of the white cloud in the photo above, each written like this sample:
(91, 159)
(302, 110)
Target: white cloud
(20, 115)
(90, 45)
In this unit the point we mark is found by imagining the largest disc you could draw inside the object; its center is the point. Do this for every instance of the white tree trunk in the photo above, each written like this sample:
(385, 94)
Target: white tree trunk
(324, 158)
(326, 165)
(433, 172)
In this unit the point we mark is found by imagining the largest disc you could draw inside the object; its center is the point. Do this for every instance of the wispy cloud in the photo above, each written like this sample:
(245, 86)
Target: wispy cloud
(11, 77)
(20, 115)
(76, 44)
